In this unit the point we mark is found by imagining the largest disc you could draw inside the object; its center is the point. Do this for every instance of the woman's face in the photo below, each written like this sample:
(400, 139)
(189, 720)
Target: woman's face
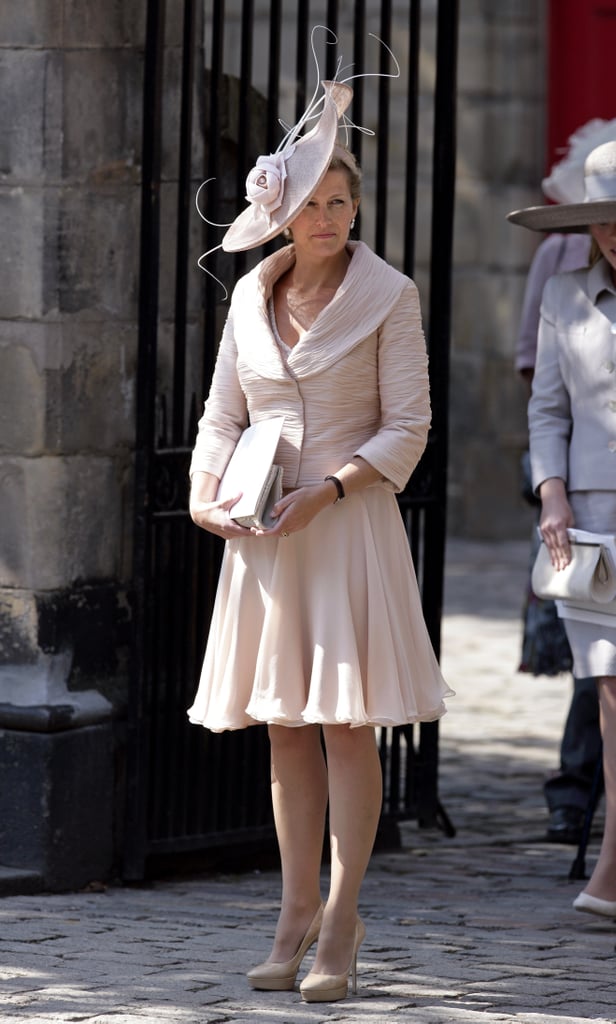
(605, 237)
(322, 228)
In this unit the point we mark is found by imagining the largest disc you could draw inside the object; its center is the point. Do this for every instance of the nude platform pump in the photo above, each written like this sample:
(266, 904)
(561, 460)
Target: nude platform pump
(327, 988)
(280, 977)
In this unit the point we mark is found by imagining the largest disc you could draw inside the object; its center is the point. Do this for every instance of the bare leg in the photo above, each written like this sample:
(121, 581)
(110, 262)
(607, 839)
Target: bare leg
(299, 797)
(355, 794)
(603, 880)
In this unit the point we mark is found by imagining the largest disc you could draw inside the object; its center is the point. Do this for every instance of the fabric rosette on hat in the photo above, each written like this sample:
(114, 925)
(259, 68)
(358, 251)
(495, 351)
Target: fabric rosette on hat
(265, 183)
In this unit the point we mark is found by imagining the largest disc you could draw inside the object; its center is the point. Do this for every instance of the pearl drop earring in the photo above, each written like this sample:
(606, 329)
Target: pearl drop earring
(352, 224)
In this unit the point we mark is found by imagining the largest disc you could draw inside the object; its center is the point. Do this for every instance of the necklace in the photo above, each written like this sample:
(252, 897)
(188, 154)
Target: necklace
(304, 309)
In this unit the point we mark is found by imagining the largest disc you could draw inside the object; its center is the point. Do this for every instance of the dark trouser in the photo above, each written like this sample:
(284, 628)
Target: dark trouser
(579, 751)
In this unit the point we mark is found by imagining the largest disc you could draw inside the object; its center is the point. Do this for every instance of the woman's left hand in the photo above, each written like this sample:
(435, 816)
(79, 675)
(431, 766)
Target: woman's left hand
(297, 509)
(556, 518)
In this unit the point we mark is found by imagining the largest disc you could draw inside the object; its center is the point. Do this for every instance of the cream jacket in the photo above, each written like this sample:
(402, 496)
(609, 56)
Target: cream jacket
(572, 411)
(355, 384)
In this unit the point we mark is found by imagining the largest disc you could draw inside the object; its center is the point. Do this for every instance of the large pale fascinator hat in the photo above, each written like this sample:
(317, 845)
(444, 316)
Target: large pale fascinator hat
(281, 184)
(596, 204)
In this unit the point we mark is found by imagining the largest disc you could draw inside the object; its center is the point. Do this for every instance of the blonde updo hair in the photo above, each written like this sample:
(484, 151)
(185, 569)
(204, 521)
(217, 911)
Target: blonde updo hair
(343, 160)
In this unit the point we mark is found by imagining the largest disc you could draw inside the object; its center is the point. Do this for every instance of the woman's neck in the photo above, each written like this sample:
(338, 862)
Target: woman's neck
(307, 275)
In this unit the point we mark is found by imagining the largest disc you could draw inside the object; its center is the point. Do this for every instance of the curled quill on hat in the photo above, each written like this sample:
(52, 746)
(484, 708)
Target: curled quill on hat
(281, 184)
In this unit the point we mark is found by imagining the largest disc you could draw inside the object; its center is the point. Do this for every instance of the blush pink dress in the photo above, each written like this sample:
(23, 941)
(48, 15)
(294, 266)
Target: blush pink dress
(326, 625)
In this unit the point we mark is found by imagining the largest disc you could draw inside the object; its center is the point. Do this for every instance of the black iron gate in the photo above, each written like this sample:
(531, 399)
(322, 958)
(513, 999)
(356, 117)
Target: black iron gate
(217, 77)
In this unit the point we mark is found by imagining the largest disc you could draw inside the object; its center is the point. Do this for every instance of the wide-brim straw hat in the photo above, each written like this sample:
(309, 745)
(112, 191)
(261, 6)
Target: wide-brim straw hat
(598, 206)
(280, 185)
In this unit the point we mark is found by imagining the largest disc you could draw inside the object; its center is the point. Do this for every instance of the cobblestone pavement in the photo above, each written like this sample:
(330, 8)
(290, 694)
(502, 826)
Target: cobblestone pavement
(474, 929)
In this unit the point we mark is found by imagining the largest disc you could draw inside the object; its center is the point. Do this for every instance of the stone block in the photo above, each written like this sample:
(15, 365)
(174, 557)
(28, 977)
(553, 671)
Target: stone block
(503, 53)
(21, 258)
(473, 59)
(102, 138)
(22, 387)
(467, 236)
(59, 644)
(503, 244)
(116, 23)
(91, 392)
(30, 104)
(505, 403)
(18, 629)
(30, 23)
(63, 520)
(500, 142)
(465, 391)
(514, 143)
(487, 436)
(96, 239)
(486, 312)
(66, 387)
(490, 472)
(56, 804)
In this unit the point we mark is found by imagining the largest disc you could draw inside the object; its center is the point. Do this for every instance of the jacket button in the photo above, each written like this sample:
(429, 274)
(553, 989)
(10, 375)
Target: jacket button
(608, 365)
(612, 446)
(613, 405)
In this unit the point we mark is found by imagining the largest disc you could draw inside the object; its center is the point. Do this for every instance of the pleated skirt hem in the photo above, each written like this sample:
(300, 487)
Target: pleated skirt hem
(323, 627)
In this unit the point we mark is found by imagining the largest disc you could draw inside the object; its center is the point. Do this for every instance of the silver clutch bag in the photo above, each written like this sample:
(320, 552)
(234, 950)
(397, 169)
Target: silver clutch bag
(253, 473)
(590, 575)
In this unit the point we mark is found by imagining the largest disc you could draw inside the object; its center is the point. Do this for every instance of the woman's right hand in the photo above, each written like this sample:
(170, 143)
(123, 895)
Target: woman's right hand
(211, 515)
(556, 518)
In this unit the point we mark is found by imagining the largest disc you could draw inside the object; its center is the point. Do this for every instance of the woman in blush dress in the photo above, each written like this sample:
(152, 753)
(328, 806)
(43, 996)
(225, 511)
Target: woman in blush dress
(317, 629)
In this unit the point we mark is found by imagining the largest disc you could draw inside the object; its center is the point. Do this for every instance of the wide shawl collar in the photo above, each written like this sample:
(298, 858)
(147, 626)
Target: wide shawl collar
(367, 295)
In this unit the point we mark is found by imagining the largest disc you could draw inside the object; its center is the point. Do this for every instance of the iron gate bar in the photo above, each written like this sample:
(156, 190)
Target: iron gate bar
(382, 153)
(443, 190)
(359, 42)
(184, 213)
(412, 131)
(243, 133)
(301, 57)
(273, 95)
(331, 52)
(212, 175)
(137, 733)
(429, 808)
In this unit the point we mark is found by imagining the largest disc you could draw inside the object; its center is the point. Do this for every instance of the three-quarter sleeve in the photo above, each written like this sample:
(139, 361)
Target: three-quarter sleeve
(224, 414)
(395, 449)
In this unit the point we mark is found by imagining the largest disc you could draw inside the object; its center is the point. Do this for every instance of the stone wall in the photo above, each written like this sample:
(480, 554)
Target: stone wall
(501, 119)
(70, 100)
(69, 198)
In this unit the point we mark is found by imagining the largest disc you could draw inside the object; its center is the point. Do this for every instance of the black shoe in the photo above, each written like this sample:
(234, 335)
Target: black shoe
(565, 825)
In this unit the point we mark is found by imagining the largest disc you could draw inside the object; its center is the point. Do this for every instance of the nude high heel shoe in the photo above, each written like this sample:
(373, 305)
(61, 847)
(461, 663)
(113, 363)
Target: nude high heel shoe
(595, 905)
(280, 977)
(327, 988)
